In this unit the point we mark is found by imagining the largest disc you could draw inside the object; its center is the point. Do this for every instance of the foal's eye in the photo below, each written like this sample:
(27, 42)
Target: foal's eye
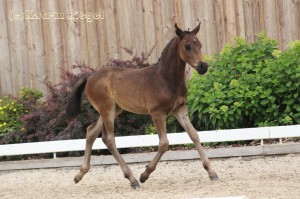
(187, 47)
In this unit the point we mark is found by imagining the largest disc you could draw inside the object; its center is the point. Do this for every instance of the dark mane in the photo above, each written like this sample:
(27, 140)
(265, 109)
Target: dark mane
(164, 52)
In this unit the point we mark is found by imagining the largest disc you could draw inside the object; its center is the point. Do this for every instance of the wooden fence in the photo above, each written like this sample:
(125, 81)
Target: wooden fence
(39, 37)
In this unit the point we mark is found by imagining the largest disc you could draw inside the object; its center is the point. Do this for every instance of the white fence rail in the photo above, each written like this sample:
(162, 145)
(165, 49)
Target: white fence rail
(152, 140)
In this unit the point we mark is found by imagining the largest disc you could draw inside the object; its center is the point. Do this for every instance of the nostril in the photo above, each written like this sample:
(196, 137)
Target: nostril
(202, 67)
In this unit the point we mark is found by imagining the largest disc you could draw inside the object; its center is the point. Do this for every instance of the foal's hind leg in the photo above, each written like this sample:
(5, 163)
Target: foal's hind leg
(93, 132)
(108, 138)
(183, 118)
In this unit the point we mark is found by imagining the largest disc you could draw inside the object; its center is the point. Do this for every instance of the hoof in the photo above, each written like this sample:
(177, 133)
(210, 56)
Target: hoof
(213, 178)
(76, 180)
(136, 186)
(143, 179)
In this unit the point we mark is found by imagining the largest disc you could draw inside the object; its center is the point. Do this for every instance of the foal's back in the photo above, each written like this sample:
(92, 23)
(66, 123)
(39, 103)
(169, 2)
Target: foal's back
(130, 89)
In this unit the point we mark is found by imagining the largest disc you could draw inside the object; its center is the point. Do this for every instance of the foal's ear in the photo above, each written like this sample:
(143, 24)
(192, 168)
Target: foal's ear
(196, 30)
(178, 31)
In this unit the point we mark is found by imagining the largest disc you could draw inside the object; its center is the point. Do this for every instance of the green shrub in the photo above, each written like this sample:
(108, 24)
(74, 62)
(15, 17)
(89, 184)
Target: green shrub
(30, 95)
(172, 126)
(285, 83)
(248, 84)
(12, 109)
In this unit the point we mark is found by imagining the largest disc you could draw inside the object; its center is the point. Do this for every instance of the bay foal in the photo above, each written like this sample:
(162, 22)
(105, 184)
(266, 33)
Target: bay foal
(155, 90)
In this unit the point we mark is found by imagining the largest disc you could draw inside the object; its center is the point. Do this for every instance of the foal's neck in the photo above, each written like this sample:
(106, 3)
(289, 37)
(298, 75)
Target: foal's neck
(172, 68)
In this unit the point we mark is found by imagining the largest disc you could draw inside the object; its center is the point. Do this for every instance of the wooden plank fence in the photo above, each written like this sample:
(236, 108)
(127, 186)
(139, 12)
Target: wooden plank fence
(39, 37)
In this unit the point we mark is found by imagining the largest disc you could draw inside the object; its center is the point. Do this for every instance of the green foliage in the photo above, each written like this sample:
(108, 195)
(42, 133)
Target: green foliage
(171, 124)
(29, 94)
(285, 81)
(12, 109)
(248, 84)
(150, 129)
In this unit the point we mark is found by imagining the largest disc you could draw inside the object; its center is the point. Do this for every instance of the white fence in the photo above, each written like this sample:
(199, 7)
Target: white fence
(152, 140)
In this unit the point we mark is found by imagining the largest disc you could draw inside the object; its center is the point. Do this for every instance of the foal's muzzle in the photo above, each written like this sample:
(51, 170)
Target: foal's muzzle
(202, 67)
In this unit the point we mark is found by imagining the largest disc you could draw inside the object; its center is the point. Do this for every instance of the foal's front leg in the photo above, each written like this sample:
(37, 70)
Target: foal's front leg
(183, 118)
(159, 121)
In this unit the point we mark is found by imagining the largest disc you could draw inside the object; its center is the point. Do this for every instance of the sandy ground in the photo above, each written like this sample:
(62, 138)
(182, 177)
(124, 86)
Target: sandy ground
(255, 177)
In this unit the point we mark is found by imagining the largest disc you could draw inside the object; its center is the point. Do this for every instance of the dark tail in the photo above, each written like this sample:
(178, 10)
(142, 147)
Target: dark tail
(73, 107)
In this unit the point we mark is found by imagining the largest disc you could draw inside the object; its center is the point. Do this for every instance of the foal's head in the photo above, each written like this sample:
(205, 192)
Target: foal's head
(190, 49)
